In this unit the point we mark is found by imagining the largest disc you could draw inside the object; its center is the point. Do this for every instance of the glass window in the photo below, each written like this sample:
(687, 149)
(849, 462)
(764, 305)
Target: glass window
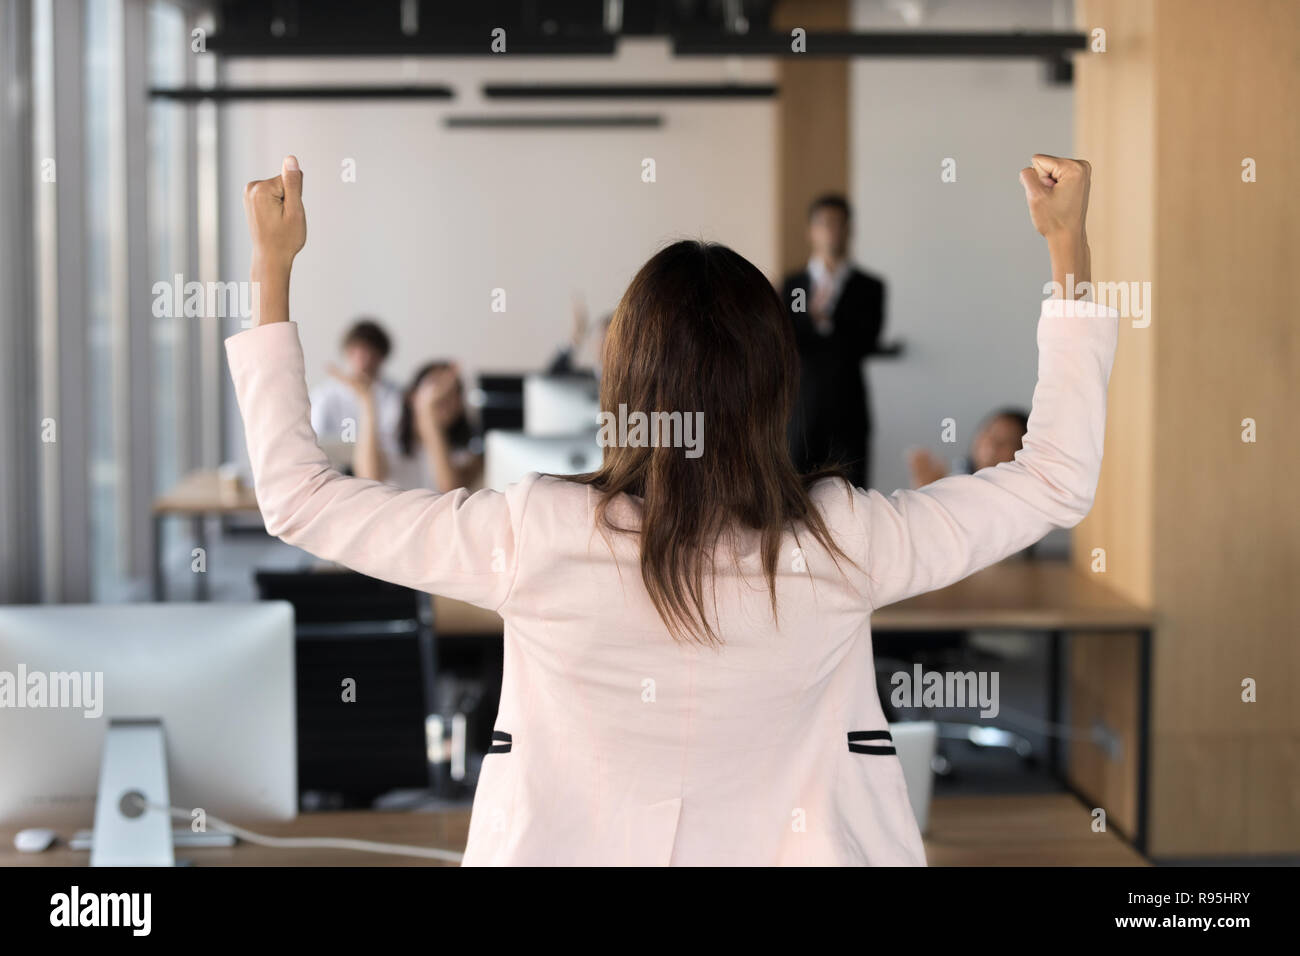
(44, 210)
(105, 324)
(168, 238)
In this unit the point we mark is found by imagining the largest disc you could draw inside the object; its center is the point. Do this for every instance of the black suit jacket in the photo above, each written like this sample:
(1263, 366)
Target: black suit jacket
(832, 416)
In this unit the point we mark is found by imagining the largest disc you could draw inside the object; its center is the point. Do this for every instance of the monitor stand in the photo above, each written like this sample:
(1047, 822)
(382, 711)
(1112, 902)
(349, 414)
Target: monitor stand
(133, 773)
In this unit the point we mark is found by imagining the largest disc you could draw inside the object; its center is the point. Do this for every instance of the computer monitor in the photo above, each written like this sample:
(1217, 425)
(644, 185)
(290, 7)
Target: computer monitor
(560, 404)
(509, 456)
(218, 677)
(499, 399)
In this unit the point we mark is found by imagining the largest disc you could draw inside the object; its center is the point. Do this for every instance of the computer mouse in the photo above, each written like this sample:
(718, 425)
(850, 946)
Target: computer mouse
(34, 840)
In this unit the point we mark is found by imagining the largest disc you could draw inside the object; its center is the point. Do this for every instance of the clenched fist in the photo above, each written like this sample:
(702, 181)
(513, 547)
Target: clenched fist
(276, 220)
(1057, 192)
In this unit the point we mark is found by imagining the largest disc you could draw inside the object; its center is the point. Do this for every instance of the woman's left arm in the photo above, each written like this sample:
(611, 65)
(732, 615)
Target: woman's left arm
(921, 540)
(460, 545)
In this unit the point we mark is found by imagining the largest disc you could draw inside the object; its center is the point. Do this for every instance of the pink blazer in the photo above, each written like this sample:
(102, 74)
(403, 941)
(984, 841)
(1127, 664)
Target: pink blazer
(618, 745)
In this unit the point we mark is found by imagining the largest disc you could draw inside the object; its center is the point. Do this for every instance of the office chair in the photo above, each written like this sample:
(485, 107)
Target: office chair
(941, 651)
(349, 627)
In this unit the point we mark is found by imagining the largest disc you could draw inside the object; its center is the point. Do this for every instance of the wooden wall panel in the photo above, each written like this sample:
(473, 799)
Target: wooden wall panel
(1103, 671)
(1114, 130)
(812, 125)
(1272, 781)
(1227, 516)
(1206, 526)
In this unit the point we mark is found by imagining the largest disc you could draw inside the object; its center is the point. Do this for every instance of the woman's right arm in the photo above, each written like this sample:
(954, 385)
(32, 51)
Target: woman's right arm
(456, 544)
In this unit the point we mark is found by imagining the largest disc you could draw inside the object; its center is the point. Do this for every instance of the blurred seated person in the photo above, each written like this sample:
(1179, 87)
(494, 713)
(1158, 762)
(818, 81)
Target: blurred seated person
(436, 448)
(997, 440)
(335, 408)
(565, 361)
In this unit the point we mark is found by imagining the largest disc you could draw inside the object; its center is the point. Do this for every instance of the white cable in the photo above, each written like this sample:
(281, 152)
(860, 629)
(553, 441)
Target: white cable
(312, 843)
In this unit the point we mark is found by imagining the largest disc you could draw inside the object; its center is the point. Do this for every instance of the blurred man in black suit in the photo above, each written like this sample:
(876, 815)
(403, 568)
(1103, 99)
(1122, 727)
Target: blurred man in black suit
(838, 312)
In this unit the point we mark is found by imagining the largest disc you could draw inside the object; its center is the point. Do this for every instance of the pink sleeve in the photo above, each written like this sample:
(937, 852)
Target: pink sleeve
(456, 544)
(921, 540)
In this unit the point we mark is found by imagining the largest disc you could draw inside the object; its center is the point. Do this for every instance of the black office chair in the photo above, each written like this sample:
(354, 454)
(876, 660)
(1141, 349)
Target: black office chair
(942, 651)
(349, 626)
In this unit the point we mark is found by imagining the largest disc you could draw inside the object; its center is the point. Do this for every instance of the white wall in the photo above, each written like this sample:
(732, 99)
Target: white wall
(963, 264)
(438, 218)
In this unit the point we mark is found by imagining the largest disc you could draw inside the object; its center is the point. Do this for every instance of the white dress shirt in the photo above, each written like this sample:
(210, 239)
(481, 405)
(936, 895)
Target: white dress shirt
(824, 281)
(333, 403)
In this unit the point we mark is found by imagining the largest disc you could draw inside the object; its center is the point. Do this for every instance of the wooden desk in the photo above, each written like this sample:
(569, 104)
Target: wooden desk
(1024, 595)
(458, 618)
(1035, 830)
(198, 496)
(1050, 597)
(1014, 595)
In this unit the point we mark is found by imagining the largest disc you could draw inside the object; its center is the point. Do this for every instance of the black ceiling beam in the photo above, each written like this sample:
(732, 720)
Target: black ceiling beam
(198, 94)
(896, 43)
(479, 44)
(493, 121)
(912, 43)
(636, 91)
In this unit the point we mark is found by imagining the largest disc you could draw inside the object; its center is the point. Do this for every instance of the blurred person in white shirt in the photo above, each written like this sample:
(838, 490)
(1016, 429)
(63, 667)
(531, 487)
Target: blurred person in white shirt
(336, 406)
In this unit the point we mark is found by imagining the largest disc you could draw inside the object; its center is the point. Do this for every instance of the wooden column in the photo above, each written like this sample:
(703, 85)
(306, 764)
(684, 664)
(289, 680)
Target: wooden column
(1191, 518)
(812, 125)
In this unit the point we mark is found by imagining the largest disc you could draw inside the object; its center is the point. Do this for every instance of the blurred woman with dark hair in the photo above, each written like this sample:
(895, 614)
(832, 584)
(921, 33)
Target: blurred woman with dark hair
(688, 667)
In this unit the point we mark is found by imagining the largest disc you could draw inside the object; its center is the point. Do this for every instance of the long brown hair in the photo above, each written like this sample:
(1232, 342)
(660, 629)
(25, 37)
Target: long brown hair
(700, 329)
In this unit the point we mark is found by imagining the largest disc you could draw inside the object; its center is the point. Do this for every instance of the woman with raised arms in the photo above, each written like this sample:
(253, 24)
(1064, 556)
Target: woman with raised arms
(688, 669)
